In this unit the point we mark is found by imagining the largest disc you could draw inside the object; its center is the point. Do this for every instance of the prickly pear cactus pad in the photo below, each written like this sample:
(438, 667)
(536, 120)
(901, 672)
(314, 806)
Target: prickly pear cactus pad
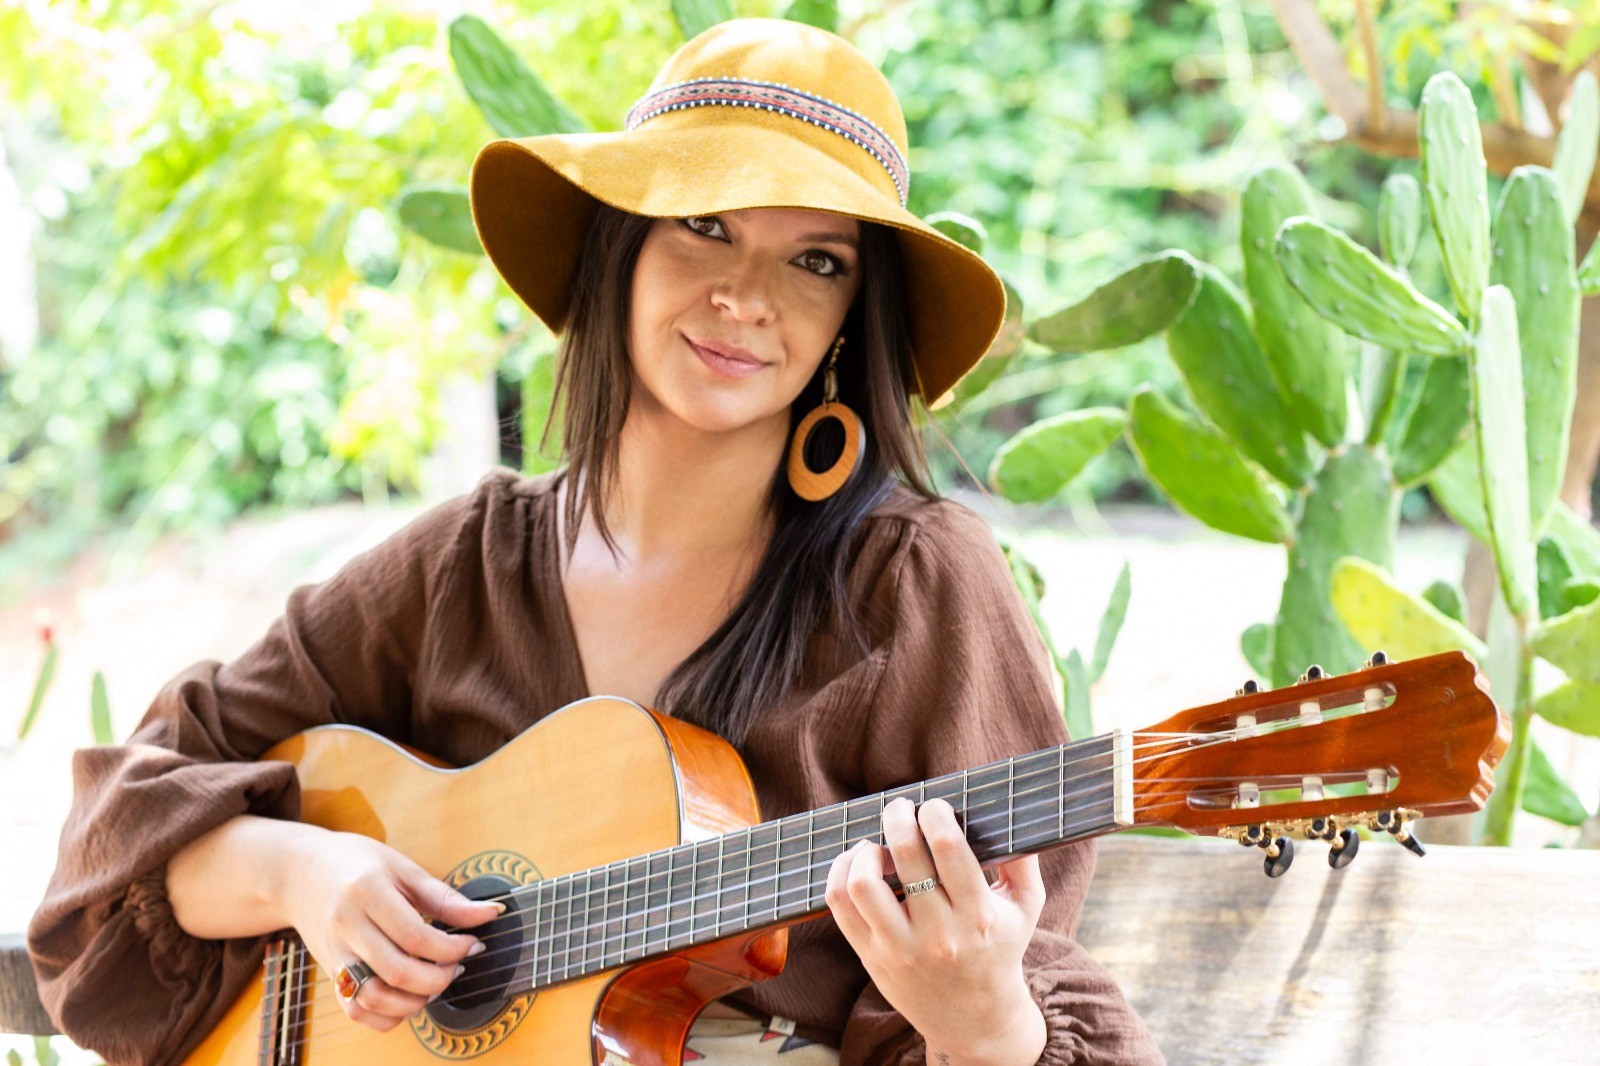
(1572, 642)
(1214, 348)
(1203, 473)
(1533, 258)
(1399, 218)
(1352, 509)
(1455, 180)
(1362, 294)
(1310, 358)
(1039, 461)
(1138, 303)
(1380, 614)
(1436, 423)
(1496, 363)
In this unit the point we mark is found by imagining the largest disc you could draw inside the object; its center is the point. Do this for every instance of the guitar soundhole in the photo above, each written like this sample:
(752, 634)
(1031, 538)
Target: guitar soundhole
(474, 998)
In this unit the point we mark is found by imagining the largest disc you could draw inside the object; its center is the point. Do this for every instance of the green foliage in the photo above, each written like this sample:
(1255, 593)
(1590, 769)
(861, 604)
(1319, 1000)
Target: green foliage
(512, 98)
(1214, 348)
(1202, 472)
(1496, 363)
(100, 711)
(1380, 614)
(1350, 286)
(1399, 218)
(696, 16)
(1455, 181)
(1353, 508)
(1038, 462)
(1578, 144)
(1448, 599)
(1308, 356)
(41, 688)
(1138, 303)
(1533, 259)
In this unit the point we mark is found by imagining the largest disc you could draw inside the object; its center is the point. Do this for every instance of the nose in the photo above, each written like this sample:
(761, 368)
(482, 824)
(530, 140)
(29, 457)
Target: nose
(745, 292)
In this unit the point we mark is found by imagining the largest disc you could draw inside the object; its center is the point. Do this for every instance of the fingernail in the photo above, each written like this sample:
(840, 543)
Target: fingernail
(460, 970)
(435, 996)
(499, 908)
(476, 949)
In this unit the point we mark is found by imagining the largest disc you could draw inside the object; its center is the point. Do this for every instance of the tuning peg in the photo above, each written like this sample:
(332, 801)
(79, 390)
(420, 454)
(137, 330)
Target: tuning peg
(1280, 853)
(1377, 658)
(1313, 673)
(1250, 686)
(1344, 848)
(1411, 843)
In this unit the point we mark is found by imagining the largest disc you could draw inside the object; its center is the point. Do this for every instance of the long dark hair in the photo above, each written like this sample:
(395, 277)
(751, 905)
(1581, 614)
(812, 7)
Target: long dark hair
(757, 653)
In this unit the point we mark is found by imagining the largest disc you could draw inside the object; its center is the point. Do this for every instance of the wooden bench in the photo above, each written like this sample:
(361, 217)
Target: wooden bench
(1466, 955)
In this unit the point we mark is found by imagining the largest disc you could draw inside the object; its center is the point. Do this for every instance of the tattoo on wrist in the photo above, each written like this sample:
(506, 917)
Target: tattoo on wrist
(944, 1060)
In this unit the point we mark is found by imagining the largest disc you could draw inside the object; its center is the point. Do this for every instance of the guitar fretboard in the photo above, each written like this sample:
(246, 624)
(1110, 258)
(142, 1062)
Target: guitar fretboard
(668, 900)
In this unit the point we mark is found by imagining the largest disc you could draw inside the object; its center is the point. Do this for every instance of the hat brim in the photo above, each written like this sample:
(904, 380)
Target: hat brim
(533, 199)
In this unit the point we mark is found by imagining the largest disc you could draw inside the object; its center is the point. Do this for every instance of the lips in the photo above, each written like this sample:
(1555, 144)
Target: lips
(726, 351)
(722, 366)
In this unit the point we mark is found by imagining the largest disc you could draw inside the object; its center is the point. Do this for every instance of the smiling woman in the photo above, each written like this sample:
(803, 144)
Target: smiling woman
(734, 278)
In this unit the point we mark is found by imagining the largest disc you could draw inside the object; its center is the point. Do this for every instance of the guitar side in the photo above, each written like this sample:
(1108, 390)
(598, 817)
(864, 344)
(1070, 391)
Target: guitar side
(599, 780)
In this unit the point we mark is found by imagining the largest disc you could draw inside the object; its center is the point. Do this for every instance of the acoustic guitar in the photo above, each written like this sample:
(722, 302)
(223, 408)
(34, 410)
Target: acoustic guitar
(641, 882)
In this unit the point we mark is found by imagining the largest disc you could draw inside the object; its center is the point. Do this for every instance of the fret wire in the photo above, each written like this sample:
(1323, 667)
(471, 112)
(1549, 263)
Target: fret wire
(1093, 815)
(848, 811)
(716, 921)
(1011, 801)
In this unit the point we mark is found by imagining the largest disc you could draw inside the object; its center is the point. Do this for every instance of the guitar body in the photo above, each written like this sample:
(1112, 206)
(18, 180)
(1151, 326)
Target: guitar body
(600, 780)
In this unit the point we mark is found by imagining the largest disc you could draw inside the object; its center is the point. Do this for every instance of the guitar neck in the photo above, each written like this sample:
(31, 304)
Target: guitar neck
(776, 872)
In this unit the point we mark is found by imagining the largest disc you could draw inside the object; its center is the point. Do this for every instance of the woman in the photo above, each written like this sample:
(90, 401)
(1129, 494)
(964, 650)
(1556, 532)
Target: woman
(737, 260)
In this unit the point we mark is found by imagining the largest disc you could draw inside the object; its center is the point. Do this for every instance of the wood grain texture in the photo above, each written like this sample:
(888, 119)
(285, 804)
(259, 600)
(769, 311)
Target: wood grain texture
(1467, 955)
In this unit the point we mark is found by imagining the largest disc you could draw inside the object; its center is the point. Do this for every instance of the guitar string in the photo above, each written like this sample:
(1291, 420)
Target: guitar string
(553, 885)
(577, 904)
(586, 948)
(320, 997)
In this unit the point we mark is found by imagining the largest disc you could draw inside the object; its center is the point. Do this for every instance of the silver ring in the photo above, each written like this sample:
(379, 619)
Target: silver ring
(927, 884)
(348, 981)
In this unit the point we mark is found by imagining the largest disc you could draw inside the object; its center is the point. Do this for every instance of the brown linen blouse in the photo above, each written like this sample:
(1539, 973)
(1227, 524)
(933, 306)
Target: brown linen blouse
(453, 636)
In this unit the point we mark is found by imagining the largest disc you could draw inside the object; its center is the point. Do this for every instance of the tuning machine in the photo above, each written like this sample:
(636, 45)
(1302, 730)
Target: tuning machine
(1395, 822)
(1313, 673)
(1269, 838)
(1377, 658)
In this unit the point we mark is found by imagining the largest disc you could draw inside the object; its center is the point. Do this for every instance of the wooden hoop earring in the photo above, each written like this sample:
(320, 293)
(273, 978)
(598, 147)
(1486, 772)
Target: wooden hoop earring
(814, 485)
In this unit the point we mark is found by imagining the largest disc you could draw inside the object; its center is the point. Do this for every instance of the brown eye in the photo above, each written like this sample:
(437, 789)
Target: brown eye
(693, 223)
(824, 258)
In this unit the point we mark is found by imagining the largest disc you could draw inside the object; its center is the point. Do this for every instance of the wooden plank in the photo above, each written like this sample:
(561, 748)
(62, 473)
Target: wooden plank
(1464, 955)
(1467, 955)
(20, 1011)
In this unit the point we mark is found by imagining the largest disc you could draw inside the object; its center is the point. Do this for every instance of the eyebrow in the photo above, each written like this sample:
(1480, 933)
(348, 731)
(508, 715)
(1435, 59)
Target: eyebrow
(836, 238)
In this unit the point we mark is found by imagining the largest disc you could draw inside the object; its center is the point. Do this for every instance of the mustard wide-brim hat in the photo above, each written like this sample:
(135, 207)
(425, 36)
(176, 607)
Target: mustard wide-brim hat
(753, 112)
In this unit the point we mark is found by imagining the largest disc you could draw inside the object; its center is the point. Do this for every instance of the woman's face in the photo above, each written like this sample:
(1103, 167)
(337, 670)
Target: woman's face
(773, 281)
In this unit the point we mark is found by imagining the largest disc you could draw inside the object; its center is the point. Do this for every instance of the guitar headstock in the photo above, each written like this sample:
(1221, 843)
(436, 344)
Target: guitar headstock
(1376, 747)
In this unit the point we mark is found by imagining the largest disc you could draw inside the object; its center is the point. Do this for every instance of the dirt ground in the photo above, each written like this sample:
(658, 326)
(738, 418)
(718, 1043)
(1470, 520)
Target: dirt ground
(1194, 590)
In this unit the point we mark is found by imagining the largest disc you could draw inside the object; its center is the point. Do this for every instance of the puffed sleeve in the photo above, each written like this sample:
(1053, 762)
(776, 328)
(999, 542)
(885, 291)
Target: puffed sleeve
(968, 681)
(116, 973)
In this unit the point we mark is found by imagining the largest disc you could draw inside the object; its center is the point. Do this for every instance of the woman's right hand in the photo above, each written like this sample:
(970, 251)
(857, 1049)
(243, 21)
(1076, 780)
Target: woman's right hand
(351, 897)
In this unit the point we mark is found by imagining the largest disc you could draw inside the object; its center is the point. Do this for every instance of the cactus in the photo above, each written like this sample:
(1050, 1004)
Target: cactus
(1138, 303)
(1496, 365)
(1203, 473)
(1533, 259)
(1580, 140)
(1571, 641)
(1456, 182)
(1354, 509)
(1039, 461)
(1399, 218)
(1215, 350)
(1350, 286)
(1308, 356)
(1380, 614)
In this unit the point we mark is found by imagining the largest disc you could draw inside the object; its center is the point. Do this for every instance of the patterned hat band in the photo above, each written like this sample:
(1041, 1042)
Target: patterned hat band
(783, 99)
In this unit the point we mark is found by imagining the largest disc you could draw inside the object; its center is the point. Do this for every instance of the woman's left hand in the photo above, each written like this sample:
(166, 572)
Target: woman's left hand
(949, 960)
